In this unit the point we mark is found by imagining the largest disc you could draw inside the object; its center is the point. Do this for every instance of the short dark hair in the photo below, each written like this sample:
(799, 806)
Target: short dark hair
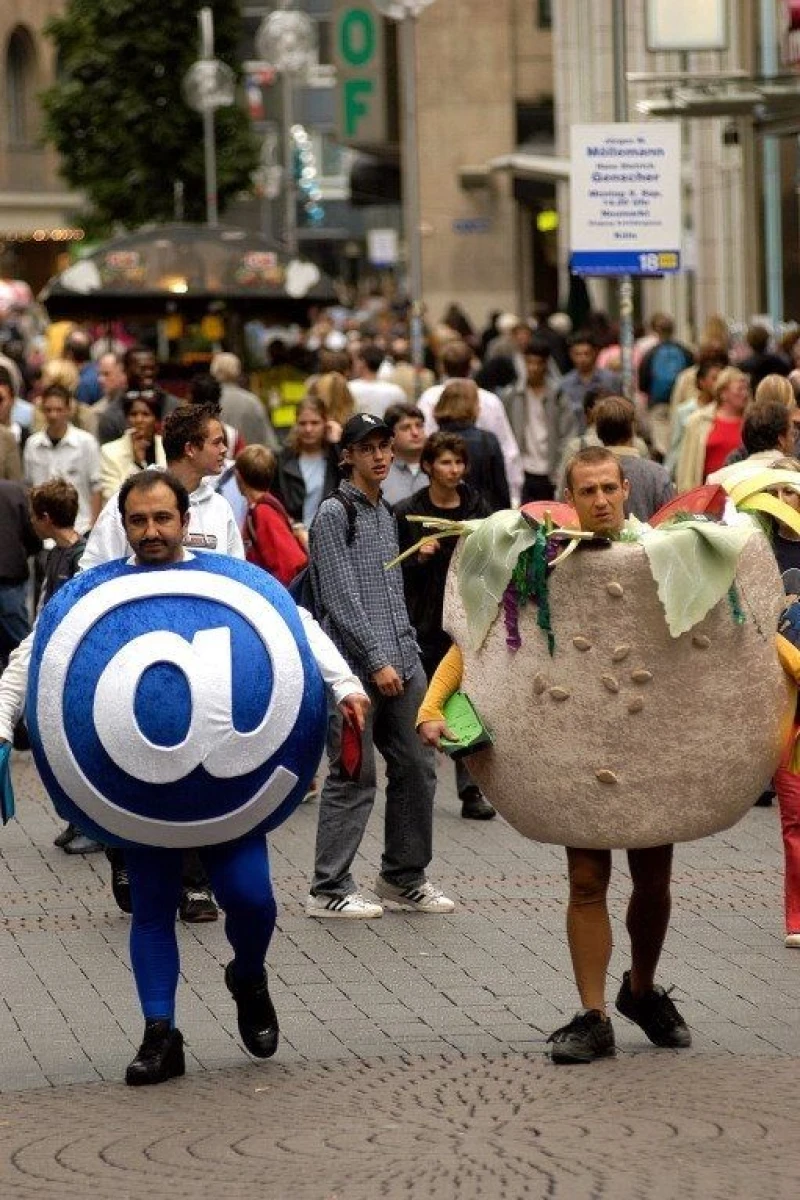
(187, 423)
(764, 424)
(758, 338)
(397, 412)
(440, 443)
(61, 393)
(206, 390)
(145, 481)
(591, 456)
(152, 400)
(372, 356)
(536, 348)
(6, 379)
(57, 500)
(707, 365)
(592, 396)
(614, 418)
(582, 337)
(132, 351)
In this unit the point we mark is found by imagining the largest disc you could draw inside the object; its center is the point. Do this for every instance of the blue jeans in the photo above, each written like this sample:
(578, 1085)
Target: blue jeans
(15, 624)
(345, 805)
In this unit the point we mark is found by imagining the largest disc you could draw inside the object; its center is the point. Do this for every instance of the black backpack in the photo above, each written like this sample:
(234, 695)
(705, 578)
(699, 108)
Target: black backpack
(302, 589)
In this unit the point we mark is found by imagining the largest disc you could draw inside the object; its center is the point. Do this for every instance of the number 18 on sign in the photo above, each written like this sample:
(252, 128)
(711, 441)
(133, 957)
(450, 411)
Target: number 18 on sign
(625, 199)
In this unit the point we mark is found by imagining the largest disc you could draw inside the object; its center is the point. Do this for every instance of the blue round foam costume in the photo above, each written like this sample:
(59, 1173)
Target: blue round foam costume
(171, 707)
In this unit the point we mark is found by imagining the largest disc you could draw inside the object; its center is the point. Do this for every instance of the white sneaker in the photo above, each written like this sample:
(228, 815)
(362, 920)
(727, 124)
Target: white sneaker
(793, 940)
(419, 897)
(354, 907)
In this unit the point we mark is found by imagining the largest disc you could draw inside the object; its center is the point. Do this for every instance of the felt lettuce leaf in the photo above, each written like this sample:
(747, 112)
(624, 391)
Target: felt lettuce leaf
(694, 565)
(488, 558)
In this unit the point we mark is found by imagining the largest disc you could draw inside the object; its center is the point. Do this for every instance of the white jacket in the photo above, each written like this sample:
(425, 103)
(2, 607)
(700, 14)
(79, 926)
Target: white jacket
(212, 526)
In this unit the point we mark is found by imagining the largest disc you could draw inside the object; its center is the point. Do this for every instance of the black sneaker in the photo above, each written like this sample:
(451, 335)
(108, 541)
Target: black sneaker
(474, 805)
(197, 906)
(257, 1020)
(656, 1014)
(121, 886)
(588, 1036)
(160, 1056)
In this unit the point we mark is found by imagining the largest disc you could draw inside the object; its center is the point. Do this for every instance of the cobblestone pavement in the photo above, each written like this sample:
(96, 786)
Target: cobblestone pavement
(412, 1060)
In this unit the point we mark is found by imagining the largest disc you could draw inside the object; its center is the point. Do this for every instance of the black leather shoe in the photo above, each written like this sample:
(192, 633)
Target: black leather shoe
(160, 1056)
(475, 806)
(66, 835)
(258, 1023)
(81, 844)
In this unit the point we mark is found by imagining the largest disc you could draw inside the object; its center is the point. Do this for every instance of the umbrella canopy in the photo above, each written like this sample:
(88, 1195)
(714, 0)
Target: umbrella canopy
(184, 268)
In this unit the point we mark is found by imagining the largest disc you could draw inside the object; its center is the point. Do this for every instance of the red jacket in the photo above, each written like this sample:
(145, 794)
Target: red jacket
(270, 542)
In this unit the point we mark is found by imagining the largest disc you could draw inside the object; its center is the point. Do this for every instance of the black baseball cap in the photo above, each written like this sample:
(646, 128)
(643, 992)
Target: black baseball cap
(361, 426)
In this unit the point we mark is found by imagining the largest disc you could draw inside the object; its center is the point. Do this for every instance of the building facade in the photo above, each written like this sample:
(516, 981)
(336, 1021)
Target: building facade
(37, 210)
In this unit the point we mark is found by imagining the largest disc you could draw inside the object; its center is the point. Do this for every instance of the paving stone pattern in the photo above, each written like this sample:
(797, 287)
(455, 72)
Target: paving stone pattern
(412, 1060)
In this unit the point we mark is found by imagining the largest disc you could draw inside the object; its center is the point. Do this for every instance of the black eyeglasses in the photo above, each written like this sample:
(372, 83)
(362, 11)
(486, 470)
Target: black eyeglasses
(148, 394)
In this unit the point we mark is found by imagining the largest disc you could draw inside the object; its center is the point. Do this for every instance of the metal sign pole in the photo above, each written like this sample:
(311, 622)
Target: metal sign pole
(625, 284)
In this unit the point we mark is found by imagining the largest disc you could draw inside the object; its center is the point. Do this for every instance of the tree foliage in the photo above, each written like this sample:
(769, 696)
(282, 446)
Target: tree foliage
(117, 114)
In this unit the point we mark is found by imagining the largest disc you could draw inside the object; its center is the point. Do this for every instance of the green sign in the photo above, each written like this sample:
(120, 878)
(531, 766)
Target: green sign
(360, 56)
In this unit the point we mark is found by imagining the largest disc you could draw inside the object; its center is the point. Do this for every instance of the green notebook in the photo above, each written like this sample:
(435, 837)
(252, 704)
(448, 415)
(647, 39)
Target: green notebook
(463, 721)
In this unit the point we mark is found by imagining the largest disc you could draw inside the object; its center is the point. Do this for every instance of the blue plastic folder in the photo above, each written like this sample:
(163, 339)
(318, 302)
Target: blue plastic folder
(6, 790)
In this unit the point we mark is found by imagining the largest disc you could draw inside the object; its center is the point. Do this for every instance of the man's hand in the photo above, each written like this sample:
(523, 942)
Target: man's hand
(429, 549)
(354, 709)
(388, 682)
(431, 733)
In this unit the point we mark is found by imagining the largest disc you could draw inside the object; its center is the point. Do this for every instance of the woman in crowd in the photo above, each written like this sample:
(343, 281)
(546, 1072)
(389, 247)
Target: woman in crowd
(456, 412)
(308, 465)
(138, 448)
(714, 431)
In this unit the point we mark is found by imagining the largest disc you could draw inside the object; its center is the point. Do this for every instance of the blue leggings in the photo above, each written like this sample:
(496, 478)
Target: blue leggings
(239, 874)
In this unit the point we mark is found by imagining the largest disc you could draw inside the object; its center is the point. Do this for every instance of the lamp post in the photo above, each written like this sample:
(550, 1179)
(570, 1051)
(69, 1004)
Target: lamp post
(208, 85)
(405, 13)
(286, 38)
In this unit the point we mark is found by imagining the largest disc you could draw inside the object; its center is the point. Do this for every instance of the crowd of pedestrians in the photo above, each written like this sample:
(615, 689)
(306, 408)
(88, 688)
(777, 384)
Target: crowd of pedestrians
(493, 420)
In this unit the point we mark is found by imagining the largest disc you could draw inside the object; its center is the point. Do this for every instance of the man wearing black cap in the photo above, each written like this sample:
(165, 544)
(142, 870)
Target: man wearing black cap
(362, 608)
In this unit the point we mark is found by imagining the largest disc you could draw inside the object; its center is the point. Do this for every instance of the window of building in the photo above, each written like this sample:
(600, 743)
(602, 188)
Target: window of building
(544, 14)
(20, 88)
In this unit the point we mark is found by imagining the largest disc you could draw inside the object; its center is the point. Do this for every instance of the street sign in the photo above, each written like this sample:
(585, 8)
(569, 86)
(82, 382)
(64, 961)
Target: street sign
(625, 199)
(382, 247)
(360, 57)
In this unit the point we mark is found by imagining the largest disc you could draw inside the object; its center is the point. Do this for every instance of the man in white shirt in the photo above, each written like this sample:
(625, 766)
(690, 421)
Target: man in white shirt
(60, 451)
(371, 394)
(530, 413)
(456, 364)
(194, 447)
